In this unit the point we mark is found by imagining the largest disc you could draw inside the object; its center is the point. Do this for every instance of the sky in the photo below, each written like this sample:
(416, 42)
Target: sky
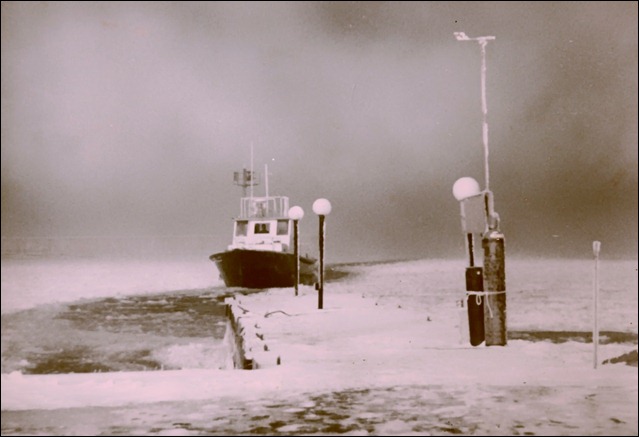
(128, 119)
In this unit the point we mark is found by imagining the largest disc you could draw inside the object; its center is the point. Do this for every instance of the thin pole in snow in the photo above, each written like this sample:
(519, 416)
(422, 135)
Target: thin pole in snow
(596, 247)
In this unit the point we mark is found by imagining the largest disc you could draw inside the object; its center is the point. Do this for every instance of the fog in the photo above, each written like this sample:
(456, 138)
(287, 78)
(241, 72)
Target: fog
(128, 120)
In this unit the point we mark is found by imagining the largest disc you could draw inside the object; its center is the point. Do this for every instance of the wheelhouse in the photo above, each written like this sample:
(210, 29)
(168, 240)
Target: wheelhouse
(263, 224)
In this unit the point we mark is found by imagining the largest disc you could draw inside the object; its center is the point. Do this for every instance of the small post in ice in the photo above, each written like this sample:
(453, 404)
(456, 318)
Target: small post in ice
(596, 247)
(296, 213)
(322, 208)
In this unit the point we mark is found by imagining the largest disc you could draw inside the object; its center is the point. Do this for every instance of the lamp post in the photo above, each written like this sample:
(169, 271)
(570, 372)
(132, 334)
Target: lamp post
(465, 188)
(322, 208)
(296, 213)
(494, 276)
(471, 201)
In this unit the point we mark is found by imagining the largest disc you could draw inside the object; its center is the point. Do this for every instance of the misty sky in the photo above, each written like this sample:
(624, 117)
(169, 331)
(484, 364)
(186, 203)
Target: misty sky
(128, 119)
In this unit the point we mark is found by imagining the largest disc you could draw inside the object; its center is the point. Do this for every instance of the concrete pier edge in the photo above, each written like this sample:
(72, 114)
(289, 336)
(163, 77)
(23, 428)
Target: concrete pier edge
(249, 350)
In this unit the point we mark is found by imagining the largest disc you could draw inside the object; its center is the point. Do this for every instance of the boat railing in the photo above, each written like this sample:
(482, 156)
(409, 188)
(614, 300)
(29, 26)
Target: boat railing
(265, 246)
(263, 207)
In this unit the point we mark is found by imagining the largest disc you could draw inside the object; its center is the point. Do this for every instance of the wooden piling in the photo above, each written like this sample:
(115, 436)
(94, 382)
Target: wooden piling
(495, 286)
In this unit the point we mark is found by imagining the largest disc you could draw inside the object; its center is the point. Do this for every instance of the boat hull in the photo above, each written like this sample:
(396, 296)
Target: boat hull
(262, 269)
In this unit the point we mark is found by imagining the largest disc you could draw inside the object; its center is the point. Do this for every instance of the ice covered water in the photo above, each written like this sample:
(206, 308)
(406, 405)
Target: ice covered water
(181, 329)
(78, 316)
(63, 316)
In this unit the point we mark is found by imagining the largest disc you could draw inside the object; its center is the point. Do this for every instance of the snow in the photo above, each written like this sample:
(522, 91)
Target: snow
(384, 356)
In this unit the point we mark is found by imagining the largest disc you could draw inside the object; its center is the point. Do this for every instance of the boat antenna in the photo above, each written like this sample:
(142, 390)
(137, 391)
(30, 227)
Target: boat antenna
(251, 170)
(266, 185)
(266, 178)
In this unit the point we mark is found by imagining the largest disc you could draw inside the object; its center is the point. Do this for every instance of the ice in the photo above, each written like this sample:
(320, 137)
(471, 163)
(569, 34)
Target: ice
(202, 355)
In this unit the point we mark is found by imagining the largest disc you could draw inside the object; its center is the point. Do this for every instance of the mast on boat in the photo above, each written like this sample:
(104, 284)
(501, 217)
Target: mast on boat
(245, 179)
(258, 207)
(252, 168)
(266, 184)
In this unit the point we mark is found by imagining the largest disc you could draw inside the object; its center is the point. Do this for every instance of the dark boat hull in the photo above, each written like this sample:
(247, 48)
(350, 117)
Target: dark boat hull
(262, 269)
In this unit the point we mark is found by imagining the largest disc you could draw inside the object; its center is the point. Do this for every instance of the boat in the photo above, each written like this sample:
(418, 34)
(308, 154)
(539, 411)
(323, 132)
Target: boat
(262, 252)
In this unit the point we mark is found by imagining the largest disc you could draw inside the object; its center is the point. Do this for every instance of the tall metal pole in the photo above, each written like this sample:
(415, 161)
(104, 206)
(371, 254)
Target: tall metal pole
(297, 255)
(295, 214)
(483, 41)
(484, 110)
(320, 295)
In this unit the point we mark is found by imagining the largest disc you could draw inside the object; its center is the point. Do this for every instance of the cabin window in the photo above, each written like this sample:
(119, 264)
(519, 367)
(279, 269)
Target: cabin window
(241, 228)
(282, 227)
(262, 228)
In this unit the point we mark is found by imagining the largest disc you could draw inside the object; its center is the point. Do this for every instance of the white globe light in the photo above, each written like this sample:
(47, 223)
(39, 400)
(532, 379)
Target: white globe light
(322, 207)
(465, 187)
(296, 213)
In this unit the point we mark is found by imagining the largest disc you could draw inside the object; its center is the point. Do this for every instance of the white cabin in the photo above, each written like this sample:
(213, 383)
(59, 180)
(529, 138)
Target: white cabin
(263, 224)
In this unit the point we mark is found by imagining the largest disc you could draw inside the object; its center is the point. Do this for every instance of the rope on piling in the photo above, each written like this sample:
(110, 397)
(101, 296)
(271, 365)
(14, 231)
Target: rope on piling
(479, 294)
